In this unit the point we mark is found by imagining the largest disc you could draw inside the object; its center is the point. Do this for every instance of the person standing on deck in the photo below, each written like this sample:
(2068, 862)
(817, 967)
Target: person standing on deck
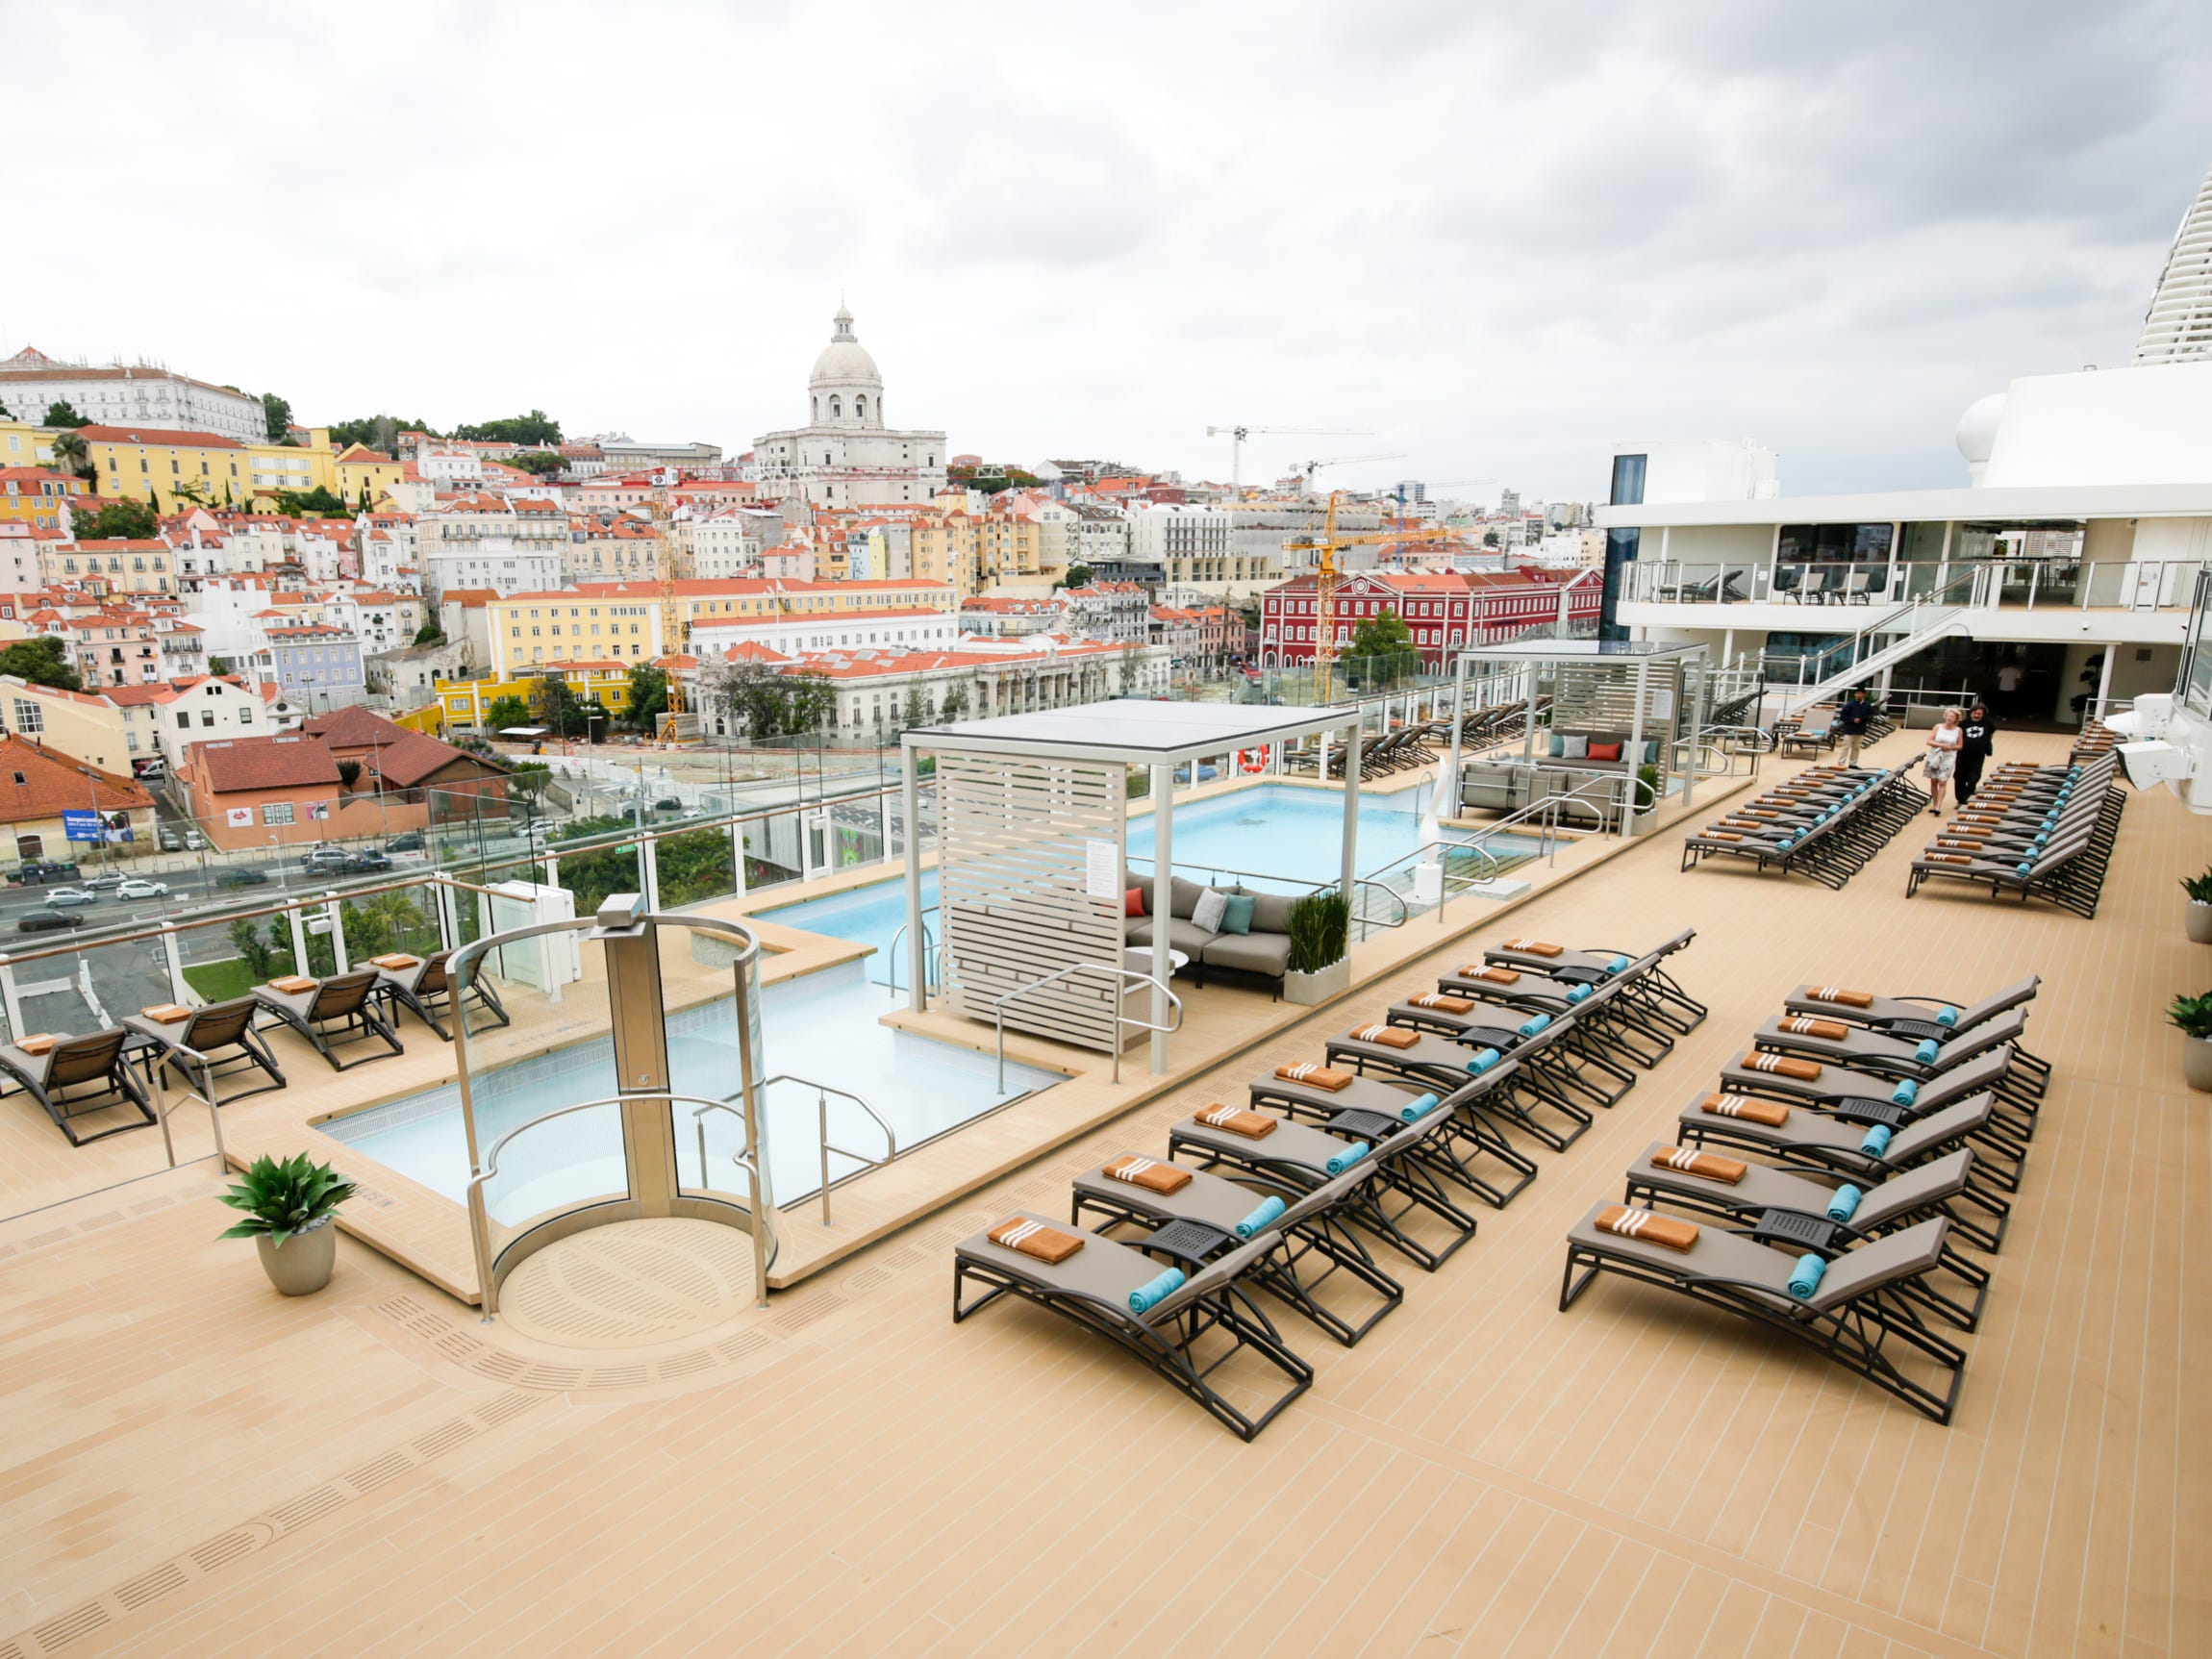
(2008, 678)
(1852, 721)
(1943, 744)
(1973, 750)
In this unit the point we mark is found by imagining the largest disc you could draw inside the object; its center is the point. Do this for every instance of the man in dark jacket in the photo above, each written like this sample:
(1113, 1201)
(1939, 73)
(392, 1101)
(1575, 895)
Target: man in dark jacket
(1852, 718)
(1973, 750)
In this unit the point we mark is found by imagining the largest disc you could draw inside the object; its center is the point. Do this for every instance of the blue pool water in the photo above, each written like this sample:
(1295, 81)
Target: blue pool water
(822, 1025)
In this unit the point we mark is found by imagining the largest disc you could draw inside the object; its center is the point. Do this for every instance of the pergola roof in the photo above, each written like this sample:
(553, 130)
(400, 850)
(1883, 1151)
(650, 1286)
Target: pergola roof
(1135, 731)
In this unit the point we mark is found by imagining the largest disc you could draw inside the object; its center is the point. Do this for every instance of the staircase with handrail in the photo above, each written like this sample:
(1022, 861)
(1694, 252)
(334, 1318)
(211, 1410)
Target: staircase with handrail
(1909, 627)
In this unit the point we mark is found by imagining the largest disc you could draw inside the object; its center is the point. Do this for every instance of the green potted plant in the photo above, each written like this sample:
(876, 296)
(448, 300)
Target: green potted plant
(2197, 917)
(289, 1209)
(1321, 933)
(2194, 1016)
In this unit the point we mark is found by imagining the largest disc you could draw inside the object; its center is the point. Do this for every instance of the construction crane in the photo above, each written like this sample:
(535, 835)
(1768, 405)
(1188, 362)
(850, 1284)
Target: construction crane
(1309, 468)
(1238, 435)
(1326, 546)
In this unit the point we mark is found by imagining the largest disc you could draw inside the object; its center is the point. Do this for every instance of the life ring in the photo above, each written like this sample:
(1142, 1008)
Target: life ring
(1251, 760)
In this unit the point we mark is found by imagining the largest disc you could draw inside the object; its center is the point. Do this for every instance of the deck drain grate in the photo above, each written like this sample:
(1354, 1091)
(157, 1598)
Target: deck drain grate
(150, 1586)
(217, 1551)
(301, 1510)
(506, 1405)
(147, 1206)
(11, 1650)
(685, 1365)
(867, 1279)
(77, 1622)
(503, 1366)
(44, 1239)
(738, 1348)
(552, 1377)
(373, 1475)
(457, 1345)
(902, 1258)
(806, 1313)
(445, 1437)
(616, 1376)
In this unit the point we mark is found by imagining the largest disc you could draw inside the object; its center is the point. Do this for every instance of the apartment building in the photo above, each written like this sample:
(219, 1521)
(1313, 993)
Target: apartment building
(116, 565)
(38, 496)
(140, 394)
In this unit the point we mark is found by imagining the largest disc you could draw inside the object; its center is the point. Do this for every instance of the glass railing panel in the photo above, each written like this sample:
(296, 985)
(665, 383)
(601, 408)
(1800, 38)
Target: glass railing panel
(694, 865)
(394, 921)
(698, 980)
(557, 1162)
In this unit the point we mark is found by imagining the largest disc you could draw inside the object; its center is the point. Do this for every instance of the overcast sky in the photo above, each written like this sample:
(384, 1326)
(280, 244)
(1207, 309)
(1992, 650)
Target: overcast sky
(1502, 238)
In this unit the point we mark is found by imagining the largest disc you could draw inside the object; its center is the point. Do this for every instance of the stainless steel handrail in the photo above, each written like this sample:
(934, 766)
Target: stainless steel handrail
(928, 945)
(205, 1094)
(1121, 975)
(823, 1092)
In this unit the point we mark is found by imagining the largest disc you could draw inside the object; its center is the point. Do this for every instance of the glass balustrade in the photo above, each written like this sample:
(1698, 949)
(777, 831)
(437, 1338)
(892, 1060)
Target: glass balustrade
(2027, 584)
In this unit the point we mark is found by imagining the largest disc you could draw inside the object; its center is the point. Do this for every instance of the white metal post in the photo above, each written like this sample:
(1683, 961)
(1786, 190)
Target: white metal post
(2104, 681)
(1458, 719)
(298, 941)
(1163, 904)
(1636, 750)
(1350, 870)
(334, 912)
(917, 954)
(649, 872)
(180, 988)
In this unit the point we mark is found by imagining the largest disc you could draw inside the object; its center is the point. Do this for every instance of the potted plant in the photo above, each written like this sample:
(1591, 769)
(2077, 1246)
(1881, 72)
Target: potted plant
(2197, 917)
(289, 1208)
(1321, 933)
(2194, 1016)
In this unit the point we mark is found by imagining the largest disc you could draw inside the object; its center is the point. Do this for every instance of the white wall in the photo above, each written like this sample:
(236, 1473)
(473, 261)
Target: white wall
(2144, 425)
(2161, 539)
(1705, 469)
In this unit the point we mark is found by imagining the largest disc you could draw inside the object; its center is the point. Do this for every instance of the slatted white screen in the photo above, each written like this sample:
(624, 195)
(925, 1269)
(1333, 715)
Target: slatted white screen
(1012, 835)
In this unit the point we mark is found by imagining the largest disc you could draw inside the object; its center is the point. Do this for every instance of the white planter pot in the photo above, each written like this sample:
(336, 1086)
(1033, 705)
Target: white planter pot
(302, 1264)
(1309, 990)
(2196, 1062)
(2197, 920)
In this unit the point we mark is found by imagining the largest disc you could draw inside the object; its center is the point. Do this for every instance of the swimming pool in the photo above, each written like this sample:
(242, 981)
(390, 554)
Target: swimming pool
(822, 1025)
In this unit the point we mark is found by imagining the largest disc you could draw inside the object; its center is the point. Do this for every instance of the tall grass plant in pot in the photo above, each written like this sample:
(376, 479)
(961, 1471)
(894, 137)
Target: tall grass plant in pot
(2197, 917)
(2194, 1016)
(1320, 940)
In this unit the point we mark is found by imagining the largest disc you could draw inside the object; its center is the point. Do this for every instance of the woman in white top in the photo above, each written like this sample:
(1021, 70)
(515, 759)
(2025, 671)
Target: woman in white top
(1944, 742)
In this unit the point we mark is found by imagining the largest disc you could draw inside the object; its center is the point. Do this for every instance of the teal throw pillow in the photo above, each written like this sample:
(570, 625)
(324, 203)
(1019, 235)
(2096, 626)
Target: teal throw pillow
(1237, 914)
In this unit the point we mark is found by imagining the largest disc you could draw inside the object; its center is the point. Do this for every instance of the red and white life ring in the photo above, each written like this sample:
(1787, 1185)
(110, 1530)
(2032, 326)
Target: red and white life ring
(1252, 760)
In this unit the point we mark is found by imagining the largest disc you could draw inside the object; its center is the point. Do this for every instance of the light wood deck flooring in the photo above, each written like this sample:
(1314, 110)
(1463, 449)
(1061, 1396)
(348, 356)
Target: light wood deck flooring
(194, 1466)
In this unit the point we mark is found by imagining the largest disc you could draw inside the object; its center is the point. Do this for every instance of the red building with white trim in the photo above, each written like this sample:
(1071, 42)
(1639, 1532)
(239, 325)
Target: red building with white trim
(1445, 610)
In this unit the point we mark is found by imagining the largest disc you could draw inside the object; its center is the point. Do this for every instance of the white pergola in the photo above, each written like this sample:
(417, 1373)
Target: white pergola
(1129, 732)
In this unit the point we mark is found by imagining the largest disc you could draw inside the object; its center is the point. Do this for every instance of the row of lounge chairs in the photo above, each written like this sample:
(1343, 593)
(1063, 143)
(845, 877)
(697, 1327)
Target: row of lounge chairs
(99, 1084)
(1884, 1171)
(1424, 743)
(2042, 832)
(2093, 743)
(1826, 822)
(1380, 1147)
(1813, 731)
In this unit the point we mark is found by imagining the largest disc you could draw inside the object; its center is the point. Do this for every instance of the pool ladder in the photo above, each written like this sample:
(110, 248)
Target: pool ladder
(932, 956)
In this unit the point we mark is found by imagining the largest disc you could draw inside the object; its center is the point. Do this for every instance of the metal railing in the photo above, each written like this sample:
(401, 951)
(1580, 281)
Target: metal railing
(931, 955)
(1309, 886)
(822, 1092)
(2022, 584)
(205, 1094)
(1122, 1022)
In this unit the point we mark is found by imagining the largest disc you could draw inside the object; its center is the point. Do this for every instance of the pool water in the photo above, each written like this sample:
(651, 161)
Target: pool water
(822, 1025)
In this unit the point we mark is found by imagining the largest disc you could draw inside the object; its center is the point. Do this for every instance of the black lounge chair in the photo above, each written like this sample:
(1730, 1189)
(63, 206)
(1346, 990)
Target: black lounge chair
(334, 1014)
(1858, 1316)
(1185, 1337)
(426, 990)
(81, 1077)
(1445, 1065)
(1647, 981)
(1438, 1156)
(222, 1035)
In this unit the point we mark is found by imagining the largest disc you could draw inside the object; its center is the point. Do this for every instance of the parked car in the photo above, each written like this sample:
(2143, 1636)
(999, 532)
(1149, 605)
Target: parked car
(194, 842)
(38, 870)
(107, 878)
(668, 804)
(171, 841)
(409, 842)
(48, 921)
(72, 896)
(327, 861)
(365, 862)
(241, 875)
(136, 887)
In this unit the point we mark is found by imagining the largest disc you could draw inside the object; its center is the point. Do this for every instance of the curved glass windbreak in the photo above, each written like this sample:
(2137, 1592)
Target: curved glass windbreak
(550, 1164)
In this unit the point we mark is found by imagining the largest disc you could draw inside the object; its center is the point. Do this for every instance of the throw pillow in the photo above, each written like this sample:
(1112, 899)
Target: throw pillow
(1133, 903)
(1577, 749)
(1650, 750)
(1237, 914)
(1604, 751)
(1558, 745)
(1206, 915)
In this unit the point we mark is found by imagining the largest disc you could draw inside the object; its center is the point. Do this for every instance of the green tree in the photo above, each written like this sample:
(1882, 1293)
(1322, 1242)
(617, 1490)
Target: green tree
(43, 662)
(648, 697)
(503, 712)
(62, 414)
(537, 429)
(276, 415)
(254, 949)
(1382, 647)
(916, 711)
(1132, 661)
(136, 519)
(1490, 538)
(194, 490)
(379, 431)
(316, 503)
(810, 702)
(430, 634)
(954, 705)
(382, 922)
(538, 462)
(556, 706)
(1078, 576)
(71, 456)
(527, 781)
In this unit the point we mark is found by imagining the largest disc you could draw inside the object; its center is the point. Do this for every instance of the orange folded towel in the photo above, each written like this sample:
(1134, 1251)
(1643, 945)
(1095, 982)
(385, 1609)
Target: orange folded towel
(291, 984)
(1035, 1238)
(1313, 1071)
(1759, 813)
(1387, 1035)
(1237, 1120)
(1535, 948)
(1767, 1112)
(1149, 1174)
(1649, 1225)
(1946, 858)
(1444, 1003)
(37, 1042)
(1494, 975)
(1709, 1165)
(1843, 999)
(1722, 835)
(166, 1013)
(1782, 1066)
(1826, 1030)
(397, 960)
(1959, 843)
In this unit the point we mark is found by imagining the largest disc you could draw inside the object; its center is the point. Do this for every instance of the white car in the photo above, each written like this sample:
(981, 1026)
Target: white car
(63, 896)
(134, 887)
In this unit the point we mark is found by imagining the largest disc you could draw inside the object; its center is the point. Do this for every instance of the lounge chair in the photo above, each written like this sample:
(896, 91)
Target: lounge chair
(1887, 1056)
(1186, 1336)
(1915, 1017)
(82, 1077)
(333, 1014)
(1865, 1098)
(1372, 1109)
(1199, 1224)
(222, 1036)
(1445, 1063)
(1629, 1025)
(1646, 976)
(426, 990)
(1796, 1210)
(1858, 1316)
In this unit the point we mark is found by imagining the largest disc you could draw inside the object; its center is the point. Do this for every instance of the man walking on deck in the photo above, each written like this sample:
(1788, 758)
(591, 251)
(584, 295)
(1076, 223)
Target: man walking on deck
(1852, 721)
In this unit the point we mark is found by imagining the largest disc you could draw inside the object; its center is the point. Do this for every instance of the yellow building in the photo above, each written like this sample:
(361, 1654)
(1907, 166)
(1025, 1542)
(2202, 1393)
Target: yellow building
(974, 550)
(363, 474)
(176, 469)
(23, 444)
(466, 702)
(39, 496)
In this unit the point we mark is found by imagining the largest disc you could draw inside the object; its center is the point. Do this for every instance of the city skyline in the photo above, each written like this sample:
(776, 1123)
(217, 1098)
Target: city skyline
(1828, 235)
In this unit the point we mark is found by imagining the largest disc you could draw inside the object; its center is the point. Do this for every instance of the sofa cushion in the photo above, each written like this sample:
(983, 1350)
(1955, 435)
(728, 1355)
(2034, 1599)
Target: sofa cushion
(1577, 748)
(1133, 903)
(1271, 913)
(1558, 748)
(1604, 751)
(1185, 899)
(1268, 953)
(1182, 936)
(1206, 915)
(1237, 912)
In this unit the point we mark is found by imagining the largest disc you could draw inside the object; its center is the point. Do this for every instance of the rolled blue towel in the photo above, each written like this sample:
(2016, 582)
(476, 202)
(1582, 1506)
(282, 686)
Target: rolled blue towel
(1906, 1093)
(1258, 1221)
(1844, 1204)
(1418, 1107)
(1346, 1159)
(1876, 1140)
(1153, 1291)
(1805, 1277)
(1619, 965)
(1482, 1060)
(1947, 1014)
(1535, 1024)
(1576, 993)
(2039, 839)
(2023, 870)
(1927, 1050)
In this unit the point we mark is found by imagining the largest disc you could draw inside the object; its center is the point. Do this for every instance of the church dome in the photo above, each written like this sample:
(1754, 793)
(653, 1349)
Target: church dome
(845, 360)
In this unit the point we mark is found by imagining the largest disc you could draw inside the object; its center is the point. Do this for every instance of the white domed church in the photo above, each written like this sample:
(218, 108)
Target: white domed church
(844, 456)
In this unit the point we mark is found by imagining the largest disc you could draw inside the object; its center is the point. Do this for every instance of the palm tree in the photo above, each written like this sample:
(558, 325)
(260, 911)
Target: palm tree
(71, 456)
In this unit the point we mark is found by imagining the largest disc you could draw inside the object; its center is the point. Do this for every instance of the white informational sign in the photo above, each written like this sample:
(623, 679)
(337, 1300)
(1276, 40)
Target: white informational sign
(1101, 870)
(1662, 705)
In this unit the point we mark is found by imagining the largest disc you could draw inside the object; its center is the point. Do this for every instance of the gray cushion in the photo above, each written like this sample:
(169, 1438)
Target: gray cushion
(1185, 897)
(1267, 954)
(1271, 913)
(1576, 747)
(1182, 936)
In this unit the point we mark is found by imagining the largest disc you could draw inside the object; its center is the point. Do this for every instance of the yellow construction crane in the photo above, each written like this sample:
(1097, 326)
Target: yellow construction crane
(1325, 547)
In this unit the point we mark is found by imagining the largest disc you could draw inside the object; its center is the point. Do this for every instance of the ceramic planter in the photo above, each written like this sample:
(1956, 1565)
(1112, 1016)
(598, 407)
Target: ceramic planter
(2197, 920)
(1309, 990)
(2196, 1062)
(302, 1266)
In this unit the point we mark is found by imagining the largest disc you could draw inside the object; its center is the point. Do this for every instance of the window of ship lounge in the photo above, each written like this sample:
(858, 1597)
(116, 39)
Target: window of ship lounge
(1835, 543)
